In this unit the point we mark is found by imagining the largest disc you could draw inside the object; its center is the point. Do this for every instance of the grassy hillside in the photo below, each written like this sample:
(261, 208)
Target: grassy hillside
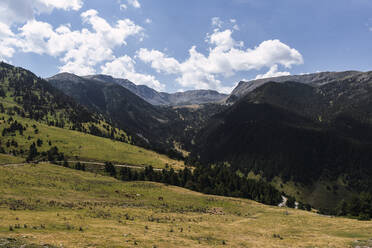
(10, 159)
(47, 204)
(75, 145)
(23, 94)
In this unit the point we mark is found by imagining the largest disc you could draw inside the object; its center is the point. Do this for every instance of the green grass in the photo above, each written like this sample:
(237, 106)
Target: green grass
(70, 208)
(322, 194)
(77, 145)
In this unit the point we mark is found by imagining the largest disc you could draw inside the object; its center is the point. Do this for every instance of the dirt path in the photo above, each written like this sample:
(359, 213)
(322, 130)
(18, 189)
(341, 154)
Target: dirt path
(13, 165)
(83, 162)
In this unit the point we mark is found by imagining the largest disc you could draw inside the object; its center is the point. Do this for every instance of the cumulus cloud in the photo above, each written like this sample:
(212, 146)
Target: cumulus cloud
(273, 72)
(7, 41)
(159, 61)
(21, 11)
(123, 7)
(13, 11)
(124, 67)
(226, 57)
(81, 50)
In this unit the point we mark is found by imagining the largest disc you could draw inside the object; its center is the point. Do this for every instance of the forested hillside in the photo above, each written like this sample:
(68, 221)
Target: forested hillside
(297, 132)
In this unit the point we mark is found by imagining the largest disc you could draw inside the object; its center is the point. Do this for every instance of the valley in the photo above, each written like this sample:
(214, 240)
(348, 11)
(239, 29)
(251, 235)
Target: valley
(83, 156)
(182, 124)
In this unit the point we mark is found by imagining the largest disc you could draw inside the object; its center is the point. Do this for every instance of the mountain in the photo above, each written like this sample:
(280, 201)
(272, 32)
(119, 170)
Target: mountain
(145, 122)
(297, 132)
(192, 97)
(155, 127)
(314, 79)
(161, 98)
(37, 118)
(148, 94)
(29, 96)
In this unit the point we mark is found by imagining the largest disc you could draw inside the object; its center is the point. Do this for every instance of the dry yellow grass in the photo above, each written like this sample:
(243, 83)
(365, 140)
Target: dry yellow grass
(129, 214)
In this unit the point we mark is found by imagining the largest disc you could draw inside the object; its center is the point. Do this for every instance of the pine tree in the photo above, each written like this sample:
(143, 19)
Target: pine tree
(32, 152)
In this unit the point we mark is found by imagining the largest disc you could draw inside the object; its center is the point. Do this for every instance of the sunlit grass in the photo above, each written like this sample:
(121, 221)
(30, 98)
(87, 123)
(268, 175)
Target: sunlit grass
(80, 209)
(77, 145)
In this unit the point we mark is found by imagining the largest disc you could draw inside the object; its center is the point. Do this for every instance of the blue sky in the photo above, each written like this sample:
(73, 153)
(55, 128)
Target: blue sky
(174, 45)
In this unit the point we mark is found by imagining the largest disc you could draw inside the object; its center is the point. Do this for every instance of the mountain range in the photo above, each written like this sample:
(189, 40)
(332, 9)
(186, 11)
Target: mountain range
(152, 126)
(308, 135)
(310, 131)
(162, 98)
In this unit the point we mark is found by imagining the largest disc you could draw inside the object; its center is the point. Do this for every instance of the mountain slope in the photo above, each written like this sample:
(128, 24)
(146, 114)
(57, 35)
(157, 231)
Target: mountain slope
(130, 112)
(148, 94)
(156, 127)
(313, 79)
(26, 95)
(297, 132)
(40, 122)
(192, 97)
(161, 98)
(74, 145)
(37, 99)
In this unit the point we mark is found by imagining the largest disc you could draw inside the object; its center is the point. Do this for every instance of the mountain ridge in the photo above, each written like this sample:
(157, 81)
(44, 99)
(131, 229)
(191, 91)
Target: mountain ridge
(154, 97)
(313, 79)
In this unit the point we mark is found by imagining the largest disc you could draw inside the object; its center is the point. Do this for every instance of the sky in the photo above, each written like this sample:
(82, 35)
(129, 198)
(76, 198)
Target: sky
(178, 45)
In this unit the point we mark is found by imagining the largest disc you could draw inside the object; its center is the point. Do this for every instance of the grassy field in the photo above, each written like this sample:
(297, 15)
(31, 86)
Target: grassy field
(48, 204)
(77, 145)
(9, 159)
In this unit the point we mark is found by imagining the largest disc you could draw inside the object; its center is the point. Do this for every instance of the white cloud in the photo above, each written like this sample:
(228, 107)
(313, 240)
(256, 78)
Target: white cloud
(235, 26)
(34, 36)
(159, 61)
(123, 7)
(65, 4)
(5, 30)
(7, 41)
(124, 67)
(273, 72)
(134, 3)
(148, 21)
(21, 11)
(216, 22)
(79, 51)
(226, 57)
(13, 11)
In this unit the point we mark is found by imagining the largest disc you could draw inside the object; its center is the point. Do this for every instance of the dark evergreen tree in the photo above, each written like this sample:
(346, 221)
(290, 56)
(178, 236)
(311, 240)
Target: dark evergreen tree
(110, 169)
(32, 152)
